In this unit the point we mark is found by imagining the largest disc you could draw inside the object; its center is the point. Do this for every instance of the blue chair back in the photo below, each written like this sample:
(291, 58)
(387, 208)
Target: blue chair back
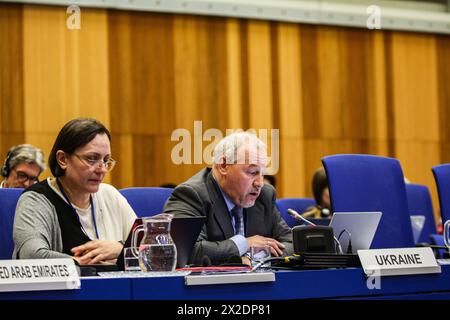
(372, 183)
(8, 202)
(442, 177)
(298, 204)
(438, 239)
(147, 201)
(419, 203)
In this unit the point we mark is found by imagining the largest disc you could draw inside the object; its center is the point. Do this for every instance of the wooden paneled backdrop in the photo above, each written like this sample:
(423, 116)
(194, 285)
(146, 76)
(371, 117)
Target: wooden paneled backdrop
(328, 89)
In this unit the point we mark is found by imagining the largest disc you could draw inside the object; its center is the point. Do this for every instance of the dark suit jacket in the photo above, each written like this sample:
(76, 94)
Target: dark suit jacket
(200, 196)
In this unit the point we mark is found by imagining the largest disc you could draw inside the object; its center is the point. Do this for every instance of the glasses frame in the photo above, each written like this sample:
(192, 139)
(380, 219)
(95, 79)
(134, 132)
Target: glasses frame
(108, 164)
(23, 177)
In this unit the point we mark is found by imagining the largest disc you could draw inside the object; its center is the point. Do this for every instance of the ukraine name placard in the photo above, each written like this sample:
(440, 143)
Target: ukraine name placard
(38, 274)
(399, 261)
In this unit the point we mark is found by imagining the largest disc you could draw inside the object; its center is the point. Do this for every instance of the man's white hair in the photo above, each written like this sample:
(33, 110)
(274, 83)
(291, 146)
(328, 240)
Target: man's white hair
(228, 149)
(26, 153)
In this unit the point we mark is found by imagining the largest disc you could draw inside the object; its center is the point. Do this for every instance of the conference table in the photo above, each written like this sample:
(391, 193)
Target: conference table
(350, 283)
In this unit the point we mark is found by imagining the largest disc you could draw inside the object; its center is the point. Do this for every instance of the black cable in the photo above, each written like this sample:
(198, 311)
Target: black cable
(288, 259)
(349, 247)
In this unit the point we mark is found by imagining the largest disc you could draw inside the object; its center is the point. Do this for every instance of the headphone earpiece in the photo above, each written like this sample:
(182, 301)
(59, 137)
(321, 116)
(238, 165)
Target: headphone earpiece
(6, 169)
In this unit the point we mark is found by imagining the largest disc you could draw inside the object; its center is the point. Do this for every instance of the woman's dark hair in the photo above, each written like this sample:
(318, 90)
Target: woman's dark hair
(75, 134)
(319, 183)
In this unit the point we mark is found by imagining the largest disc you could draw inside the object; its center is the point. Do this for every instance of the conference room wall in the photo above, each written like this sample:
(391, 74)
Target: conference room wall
(58, 74)
(328, 89)
(11, 78)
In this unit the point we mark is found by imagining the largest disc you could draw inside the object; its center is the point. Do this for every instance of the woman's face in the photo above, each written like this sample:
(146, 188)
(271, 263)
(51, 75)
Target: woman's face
(85, 168)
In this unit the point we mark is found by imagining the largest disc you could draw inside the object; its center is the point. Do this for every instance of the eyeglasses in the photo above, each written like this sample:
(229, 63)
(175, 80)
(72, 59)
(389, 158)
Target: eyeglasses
(91, 162)
(23, 177)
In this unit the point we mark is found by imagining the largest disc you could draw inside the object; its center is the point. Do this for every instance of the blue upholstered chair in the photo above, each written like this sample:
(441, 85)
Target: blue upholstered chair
(298, 204)
(8, 202)
(372, 183)
(442, 177)
(419, 203)
(147, 201)
(437, 239)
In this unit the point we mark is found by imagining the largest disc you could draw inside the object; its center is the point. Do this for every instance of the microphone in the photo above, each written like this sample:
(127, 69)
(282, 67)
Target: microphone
(298, 216)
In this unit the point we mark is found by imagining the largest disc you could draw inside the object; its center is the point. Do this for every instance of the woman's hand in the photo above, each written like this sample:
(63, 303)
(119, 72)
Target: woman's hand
(97, 251)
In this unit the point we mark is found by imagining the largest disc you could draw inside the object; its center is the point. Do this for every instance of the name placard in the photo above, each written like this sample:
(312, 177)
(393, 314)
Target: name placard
(38, 274)
(227, 278)
(399, 261)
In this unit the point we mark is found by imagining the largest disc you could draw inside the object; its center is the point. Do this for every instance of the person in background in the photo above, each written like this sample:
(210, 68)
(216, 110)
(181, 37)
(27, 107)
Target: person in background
(22, 167)
(321, 193)
(239, 208)
(270, 180)
(74, 214)
(168, 185)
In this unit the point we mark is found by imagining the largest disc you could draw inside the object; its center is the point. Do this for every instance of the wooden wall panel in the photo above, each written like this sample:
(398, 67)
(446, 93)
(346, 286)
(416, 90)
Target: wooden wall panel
(178, 75)
(355, 46)
(201, 85)
(337, 80)
(151, 51)
(443, 69)
(322, 92)
(415, 68)
(377, 101)
(201, 82)
(443, 64)
(259, 61)
(288, 88)
(11, 78)
(234, 74)
(142, 90)
(416, 120)
(65, 70)
(328, 89)
(66, 73)
(121, 81)
(200, 71)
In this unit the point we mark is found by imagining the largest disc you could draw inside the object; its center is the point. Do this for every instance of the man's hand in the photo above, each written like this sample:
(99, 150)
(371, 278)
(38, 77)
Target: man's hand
(276, 248)
(97, 251)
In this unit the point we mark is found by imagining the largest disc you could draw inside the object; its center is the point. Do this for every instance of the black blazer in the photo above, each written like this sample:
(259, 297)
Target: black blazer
(200, 196)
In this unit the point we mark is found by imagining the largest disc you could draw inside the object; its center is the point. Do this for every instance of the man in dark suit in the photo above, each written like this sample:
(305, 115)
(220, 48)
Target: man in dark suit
(239, 208)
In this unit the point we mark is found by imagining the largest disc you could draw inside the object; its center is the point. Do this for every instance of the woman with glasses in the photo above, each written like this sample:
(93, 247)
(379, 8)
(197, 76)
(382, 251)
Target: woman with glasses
(74, 213)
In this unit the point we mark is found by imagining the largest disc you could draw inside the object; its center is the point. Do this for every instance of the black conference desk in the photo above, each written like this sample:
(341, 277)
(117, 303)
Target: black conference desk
(326, 284)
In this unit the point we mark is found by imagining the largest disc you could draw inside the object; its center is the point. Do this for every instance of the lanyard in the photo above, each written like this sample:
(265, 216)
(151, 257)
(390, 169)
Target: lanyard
(75, 211)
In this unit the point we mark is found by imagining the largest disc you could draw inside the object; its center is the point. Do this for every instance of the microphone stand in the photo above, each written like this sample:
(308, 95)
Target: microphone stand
(297, 216)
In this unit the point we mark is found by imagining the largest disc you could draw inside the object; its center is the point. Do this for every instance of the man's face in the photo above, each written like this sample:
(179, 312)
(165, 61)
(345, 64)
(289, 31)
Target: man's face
(242, 182)
(23, 175)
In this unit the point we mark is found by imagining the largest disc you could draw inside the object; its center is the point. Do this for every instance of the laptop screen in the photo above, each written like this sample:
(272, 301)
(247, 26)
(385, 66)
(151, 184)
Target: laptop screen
(360, 226)
(184, 232)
